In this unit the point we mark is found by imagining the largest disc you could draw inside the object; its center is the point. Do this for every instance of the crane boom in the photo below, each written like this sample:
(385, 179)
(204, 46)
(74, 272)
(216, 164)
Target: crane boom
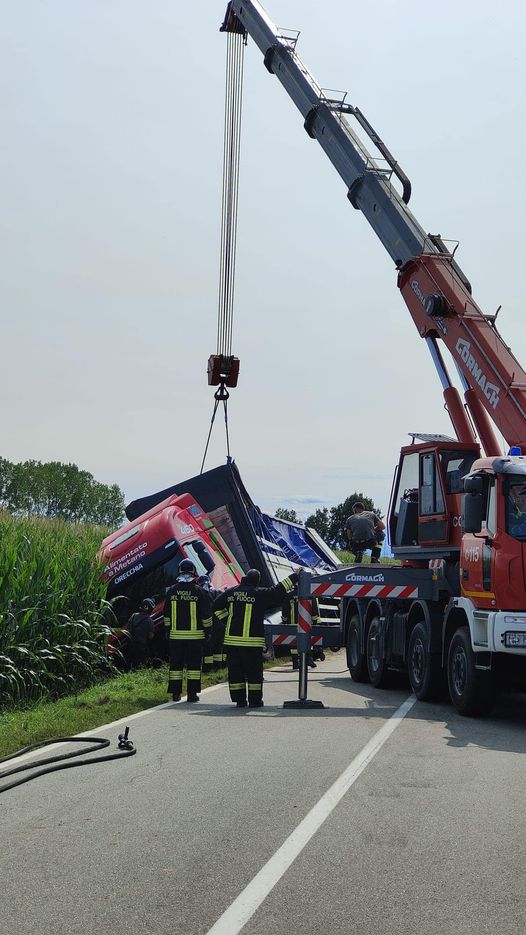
(434, 288)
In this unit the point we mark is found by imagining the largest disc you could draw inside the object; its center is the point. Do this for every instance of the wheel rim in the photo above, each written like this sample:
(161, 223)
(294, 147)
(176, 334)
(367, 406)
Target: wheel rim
(458, 670)
(373, 648)
(418, 662)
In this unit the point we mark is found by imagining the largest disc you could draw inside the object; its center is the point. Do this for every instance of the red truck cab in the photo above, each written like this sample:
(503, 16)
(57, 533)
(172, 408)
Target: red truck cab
(141, 559)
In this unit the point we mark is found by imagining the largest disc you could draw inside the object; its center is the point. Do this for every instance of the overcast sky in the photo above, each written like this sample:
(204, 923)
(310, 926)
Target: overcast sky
(110, 185)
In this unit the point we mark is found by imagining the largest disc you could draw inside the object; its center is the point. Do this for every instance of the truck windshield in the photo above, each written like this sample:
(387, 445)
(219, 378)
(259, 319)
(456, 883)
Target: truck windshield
(515, 493)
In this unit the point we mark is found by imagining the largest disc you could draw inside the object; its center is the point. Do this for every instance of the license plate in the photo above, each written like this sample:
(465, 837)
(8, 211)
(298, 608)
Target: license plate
(515, 639)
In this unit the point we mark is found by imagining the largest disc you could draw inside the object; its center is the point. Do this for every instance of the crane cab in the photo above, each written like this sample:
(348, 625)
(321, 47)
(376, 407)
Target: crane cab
(425, 508)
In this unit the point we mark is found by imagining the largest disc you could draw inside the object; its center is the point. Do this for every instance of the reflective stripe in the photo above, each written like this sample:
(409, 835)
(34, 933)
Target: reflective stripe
(193, 673)
(255, 686)
(187, 635)
(235, 685)
(255, 642)
(174, 619)
(193, 616)
(221, 614)
(246, 622)
(229, 621)
(175, 674)
(287, 584)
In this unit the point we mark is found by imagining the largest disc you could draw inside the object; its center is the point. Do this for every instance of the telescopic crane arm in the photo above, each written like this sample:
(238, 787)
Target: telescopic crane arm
(434, 288)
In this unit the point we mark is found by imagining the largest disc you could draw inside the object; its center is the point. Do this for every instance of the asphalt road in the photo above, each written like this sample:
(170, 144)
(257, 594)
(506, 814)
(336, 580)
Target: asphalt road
(335, 821)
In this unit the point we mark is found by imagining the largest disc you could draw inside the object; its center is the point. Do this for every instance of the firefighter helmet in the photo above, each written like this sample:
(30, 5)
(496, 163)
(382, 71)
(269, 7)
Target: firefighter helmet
(187, 567)
(148, 603)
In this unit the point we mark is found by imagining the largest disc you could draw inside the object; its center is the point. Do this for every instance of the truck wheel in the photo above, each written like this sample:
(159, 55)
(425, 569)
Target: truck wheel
(376, 664)
(424, 670)
(356, 659)
(472, 692)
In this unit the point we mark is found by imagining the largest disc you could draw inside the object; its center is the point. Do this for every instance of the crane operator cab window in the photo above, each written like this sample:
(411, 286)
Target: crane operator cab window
(404, 528)
(432, 524)
(516, 507)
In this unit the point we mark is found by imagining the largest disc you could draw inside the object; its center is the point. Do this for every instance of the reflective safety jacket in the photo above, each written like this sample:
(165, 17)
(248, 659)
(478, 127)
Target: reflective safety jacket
(289, 610)
(187, 611)
(243, 609)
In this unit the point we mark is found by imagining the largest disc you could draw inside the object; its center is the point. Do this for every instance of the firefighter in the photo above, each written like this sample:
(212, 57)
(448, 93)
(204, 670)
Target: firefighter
(289, 616)
(141, 629)
(242, 609)
(208, 650)
(188, 620)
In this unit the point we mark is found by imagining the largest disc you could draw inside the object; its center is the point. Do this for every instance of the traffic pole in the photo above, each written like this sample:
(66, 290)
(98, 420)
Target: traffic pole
(303, 643)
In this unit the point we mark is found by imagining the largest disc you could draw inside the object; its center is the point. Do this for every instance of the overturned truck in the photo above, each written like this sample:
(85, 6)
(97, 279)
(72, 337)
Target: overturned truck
(212, 520)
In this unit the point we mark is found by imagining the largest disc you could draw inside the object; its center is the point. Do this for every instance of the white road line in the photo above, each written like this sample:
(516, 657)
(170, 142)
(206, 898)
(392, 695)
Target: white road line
(244, 907)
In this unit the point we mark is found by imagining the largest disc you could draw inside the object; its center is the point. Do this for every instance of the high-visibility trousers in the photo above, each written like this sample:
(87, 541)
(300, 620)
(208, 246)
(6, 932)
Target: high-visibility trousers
(218, 634)
(185, 654)
(245, 673)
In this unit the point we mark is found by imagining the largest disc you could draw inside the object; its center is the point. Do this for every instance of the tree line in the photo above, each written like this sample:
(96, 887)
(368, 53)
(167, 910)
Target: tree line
(62, 491)
(330, 523)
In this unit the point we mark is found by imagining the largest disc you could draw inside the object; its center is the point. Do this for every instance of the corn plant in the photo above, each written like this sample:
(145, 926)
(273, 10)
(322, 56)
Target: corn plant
(53, 637)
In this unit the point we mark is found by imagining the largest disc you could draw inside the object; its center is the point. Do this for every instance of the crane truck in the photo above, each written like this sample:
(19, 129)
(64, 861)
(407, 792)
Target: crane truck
(453, 611)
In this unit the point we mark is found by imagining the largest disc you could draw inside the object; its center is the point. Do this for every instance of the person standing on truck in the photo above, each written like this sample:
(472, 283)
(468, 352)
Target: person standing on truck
(188, 620)
(242, 609)
(141, 629)
(363, 528)
(289, 617)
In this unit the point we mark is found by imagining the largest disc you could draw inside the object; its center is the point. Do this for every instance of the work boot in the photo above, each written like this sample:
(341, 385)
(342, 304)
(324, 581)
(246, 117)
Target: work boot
(321, 656)
(295, 664)
(192, 698)
(255, 704)
(176, 697)
(312, 664)
(241, 704)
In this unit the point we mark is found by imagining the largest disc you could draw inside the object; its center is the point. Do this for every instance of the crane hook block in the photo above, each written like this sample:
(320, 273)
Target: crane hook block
(223, 369)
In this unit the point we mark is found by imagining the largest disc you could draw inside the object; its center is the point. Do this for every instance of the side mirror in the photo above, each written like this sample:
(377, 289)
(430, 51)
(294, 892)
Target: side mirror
(472, 517)
(473, 484)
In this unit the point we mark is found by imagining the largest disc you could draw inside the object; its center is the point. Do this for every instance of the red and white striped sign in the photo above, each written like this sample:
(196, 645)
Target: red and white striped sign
(291, 640)
(304, 615)
(364, 590)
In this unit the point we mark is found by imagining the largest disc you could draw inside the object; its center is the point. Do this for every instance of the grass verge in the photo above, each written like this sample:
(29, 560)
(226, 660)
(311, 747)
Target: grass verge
(104, 702)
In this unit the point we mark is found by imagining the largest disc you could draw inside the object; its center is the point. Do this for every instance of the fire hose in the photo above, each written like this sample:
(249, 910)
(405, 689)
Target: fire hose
(125, 746)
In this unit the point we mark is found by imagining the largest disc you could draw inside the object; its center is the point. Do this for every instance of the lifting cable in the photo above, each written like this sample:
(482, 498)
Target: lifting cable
(126, 748)
(223, 368)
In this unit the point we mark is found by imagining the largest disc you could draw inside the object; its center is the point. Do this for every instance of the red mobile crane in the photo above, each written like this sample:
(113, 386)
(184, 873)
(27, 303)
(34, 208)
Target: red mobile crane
(456, 605)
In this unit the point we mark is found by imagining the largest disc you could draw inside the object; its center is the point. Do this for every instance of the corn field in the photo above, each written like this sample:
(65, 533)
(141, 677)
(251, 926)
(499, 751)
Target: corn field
(52, 632)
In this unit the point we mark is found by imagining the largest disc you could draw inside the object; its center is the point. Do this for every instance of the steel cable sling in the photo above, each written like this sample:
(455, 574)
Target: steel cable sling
(223, 368)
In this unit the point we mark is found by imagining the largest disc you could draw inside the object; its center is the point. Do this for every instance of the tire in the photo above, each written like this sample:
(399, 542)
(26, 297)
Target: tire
(472, 692)
(424, 670)
(376, 664)
(356, 659)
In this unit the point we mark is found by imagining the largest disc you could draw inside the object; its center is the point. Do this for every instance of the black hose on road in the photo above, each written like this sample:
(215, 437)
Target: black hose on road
(126, 748)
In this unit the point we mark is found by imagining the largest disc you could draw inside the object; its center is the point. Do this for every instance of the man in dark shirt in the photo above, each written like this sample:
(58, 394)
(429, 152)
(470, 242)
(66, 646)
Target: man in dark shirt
(363, 531)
